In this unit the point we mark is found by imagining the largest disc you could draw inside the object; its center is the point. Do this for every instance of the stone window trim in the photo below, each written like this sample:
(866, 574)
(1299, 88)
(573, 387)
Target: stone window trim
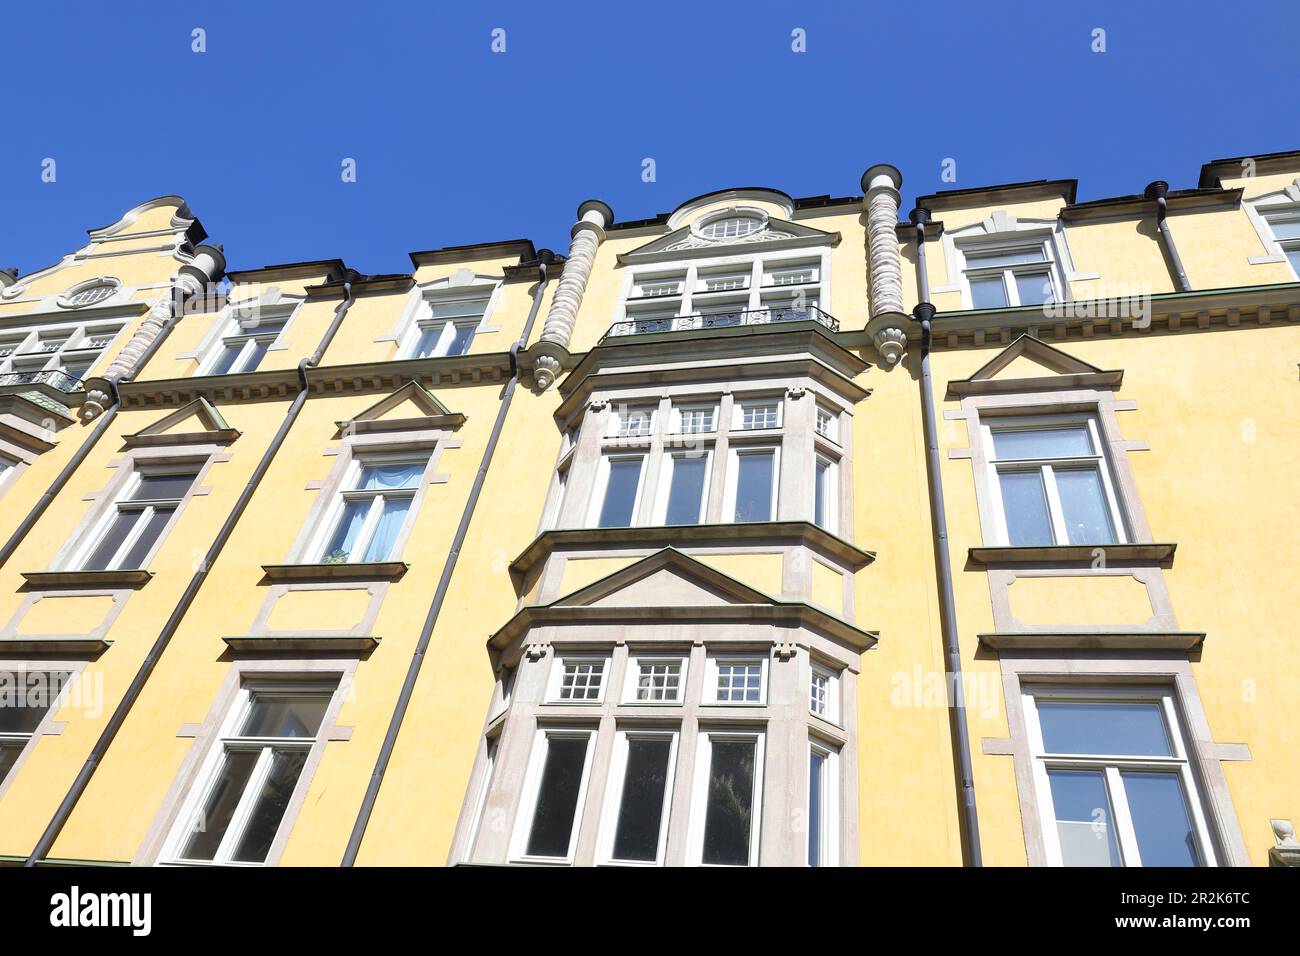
(1101, 404)
(462, 280)
(1002, 229)
(271, 305)
(434, 441)
(510, 737)
(104, 501)
(1102, 669)
(75, 689)
(65, 298)
(1286, 200)
(92, 641)
(572, 498)
(180, 798)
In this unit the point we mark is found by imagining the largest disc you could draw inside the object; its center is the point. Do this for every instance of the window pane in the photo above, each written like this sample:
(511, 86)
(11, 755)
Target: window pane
(1083, 502)
(340, 545)
(461, 338)
(1010, 257)
(427, 343)
(163, 487)
(1070, 442)
(1084, 822)
(9, 751)
(687, 491)
(255, 354)
(620, 493)
(816, 775)
(1293, 256)
(458, 308)
(403, 475)
(1286, 229)
(640, 810)
(729, 814)
(1158, 806)
(659, 680)
(152, 531)
(754, 486)
(741, 682)
(285, 715)
(113, 538)
(582, 680)
(819, 694)
(557, 796)
(1135, 728)
(215, 816)
(25, 698)
(988, 293)
(268, 810)
(384, 540)
(1025, 506)
(1034, 289)
(820, 489)
(226, 359)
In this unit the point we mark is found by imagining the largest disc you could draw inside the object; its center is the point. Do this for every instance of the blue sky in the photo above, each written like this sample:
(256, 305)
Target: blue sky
(456, 144)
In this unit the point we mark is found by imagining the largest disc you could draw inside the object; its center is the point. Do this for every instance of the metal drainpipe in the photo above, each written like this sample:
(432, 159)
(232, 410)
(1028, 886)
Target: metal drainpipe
(79, 456)
(966, 811)
(545, 256)
(1159, 191)
(133, 691)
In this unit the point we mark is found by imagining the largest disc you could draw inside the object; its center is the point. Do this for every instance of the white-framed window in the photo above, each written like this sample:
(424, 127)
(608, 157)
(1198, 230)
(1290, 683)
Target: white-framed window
(824, 693)
(1285, 227)
(368, 517)
(90, 295)
(736, 679)
(792, 274)
(631, 421)
(26, 699)
(757, 414)
(634, 828)
(827, 424)
(655, 679)
(578, 679)
(1009, 273)
(684, 487)
(752, 482)
(826, 510)
(726, 804)
(7, 465)
(125, 536)
(249, 779)
(68, 348)
(1051, 481)
(730, 227)
(695, 418)
(555, 788)
(447, 322)
(823, 804)
(243, 344)
(1113, 778)
(617, 494)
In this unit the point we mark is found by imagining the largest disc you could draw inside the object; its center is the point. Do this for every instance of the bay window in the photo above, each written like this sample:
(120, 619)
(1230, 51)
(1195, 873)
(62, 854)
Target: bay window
(642, 775)
(1051, 482)
(1113, 778)
(578, 679)
(655, 680)
(683, 489)
(823, 804)
(618, 491)
(554, 791)
(727, 799)
(752, 484)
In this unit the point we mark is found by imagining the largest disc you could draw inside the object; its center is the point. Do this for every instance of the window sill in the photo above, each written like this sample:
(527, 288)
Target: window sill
(54, 644)
(358, 571)
(1095, 640)
(301, 642)
(1065, 553)
(129, 578)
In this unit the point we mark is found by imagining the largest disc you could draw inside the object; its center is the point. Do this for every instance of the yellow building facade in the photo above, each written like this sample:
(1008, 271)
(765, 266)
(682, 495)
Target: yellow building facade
(768, 531)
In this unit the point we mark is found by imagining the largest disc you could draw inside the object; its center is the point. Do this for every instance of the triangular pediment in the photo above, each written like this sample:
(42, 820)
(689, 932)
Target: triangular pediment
(194, 423)
(410, 407)
(1029, 363)
(667, 578)
(683, 243)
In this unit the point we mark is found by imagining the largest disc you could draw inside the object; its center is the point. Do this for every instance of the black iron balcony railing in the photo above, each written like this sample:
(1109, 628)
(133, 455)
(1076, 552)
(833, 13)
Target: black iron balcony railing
(724, 320)
(55, 378)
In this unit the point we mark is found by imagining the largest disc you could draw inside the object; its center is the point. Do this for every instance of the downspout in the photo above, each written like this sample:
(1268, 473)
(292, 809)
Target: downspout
(924, 313)
(1159, 191)
(133, 691)
(544, 257)
(189, 282)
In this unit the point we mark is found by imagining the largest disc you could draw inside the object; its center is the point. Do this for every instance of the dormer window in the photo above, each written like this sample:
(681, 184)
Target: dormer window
(1006, 276)
(1285, 227)
(447, 323)
(730, 227)
(90, 292)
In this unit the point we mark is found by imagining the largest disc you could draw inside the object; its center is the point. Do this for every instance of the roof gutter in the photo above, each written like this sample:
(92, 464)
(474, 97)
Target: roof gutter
(960, 732)
(106, 737)
(544, 258)
(1159, 191)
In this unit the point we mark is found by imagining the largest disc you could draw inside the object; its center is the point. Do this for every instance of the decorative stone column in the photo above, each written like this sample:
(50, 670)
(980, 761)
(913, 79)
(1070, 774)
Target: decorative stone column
(587, 235)
(887, 325)
(208, 265)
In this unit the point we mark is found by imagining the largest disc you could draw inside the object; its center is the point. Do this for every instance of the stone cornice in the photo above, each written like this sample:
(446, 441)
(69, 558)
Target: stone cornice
(677, 536)
(1094, 640)
(1059, 554)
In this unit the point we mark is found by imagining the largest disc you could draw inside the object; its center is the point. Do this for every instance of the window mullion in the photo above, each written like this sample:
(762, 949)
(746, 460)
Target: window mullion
(1009, 285)
(1124, 831)
(142, 522)
(1057, 515)
(368, 527)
